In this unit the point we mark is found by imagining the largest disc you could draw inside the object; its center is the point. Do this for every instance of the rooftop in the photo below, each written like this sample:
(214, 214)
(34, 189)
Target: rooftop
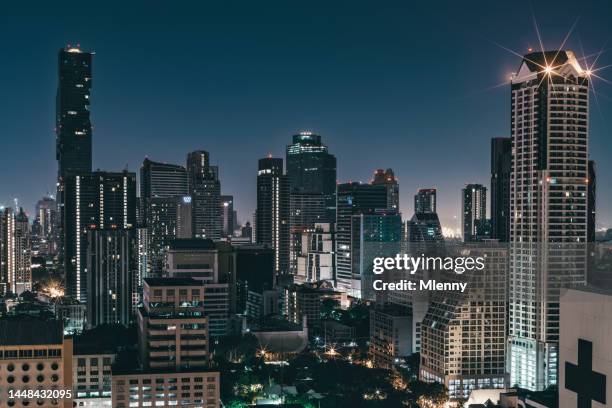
(172, 282)
(192, 243)
(27, 330)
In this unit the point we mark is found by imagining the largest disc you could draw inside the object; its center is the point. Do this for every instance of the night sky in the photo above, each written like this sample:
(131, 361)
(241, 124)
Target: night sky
(407, 85)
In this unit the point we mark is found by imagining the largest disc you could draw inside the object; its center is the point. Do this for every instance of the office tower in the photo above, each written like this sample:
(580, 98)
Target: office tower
(305, 210)
(72, 122)
(184, 218)
(201, 259)
(425, 201)
(317, 256)
(177, 305)
(205, 191)
(424, 227)
(463, 334)
(15, 252)
(98, 200)
(227, 212)
(162, 215)
(112, 265)
(592, 202)
(353, 199)
(473, 207)
(143, 269)
(246, 231)
(303, 302)
(161, 180)
(374, 233)
(548, 207)
(312, 169)
(255, 277)
(387, 179)
(272, 220)
(45, 226)
(501, 167)
(35, 352)
(390, 335)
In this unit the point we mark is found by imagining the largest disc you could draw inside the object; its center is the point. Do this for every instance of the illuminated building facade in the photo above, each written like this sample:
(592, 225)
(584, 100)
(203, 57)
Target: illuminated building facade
(548, 207)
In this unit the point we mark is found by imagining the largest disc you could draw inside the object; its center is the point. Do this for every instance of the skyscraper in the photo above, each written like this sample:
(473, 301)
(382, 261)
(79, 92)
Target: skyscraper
(548, 207)
(205, 190)
(425, 201)
(353, 199)
(98, 200)
(227, 212)
(387, 179)
(473, 207)
(72, 122)
(45, 226)
(272, 214)
(592, 202)
(15, 252)
(161, 180)
(501, 167)
(312, 169)
(112, 272)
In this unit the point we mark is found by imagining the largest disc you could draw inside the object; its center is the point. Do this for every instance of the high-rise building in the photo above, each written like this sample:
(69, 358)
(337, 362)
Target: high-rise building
(312, 169)
(161, 180)
(463, 334)
(45, 226)
(184, 218)
(174, 305)
(255, 280)
(305, 210)
(72, 125)
(246, 231)
(390, 334)
(112, 268)
(374, 233)
(548, 207)
(353, 199)
(272, 214)
(205, 191)
(501, 167)
(98, 200)
(473, 207)
(424, 228)
(15, 252)
(592, 202)
(201, 259)
(227, 213)
(317, 256)
(387, 179)
(72, 121)
(425, 201)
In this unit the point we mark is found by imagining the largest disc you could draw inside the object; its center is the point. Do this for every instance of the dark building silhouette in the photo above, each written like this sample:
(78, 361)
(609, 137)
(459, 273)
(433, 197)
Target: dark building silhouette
(501, 167)
(592, 202)
(205, 190)
(312, 169)
(111, 273)
(228, 215)
(72, 121)
(98, 200)
(473, 207)
(272, 213)
(161, 180)
(425, 201)
(387, 178)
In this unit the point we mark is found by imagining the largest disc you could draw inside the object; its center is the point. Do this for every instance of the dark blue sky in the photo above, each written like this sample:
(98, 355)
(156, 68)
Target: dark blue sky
(399, 84)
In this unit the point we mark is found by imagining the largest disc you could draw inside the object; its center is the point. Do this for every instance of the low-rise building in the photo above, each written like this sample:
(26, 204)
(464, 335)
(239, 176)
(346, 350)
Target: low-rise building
(34, 354)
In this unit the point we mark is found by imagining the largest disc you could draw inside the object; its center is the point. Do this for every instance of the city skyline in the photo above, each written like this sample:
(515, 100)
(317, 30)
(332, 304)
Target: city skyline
(149, 118)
